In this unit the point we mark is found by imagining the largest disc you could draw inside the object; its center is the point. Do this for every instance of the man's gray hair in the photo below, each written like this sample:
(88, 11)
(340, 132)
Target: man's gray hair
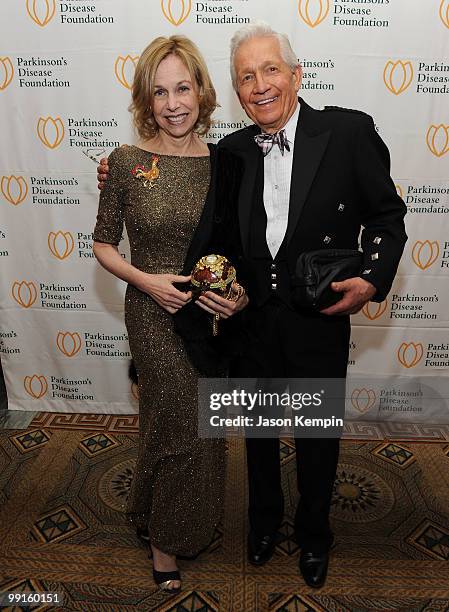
(261, 29)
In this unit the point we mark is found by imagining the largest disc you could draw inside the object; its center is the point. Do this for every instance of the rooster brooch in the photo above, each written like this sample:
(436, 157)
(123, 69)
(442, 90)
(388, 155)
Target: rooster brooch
(148, 176)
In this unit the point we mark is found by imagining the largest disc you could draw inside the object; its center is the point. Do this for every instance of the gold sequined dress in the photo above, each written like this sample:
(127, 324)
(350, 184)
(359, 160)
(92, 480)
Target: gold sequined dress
(177, 486)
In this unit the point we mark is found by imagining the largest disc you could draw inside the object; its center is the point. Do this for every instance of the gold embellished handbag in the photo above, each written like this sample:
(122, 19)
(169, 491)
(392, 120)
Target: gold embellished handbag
(215, 273)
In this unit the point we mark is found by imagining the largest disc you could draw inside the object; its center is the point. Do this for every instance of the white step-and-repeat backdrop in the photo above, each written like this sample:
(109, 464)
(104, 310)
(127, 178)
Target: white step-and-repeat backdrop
(65, 73)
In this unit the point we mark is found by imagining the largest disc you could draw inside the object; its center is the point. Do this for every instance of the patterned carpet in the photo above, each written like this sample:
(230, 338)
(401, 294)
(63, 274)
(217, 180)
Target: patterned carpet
(62, 490)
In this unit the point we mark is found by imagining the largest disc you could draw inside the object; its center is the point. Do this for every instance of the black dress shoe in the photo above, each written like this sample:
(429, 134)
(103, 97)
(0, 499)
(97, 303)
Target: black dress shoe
(313, 567)
(260, 550)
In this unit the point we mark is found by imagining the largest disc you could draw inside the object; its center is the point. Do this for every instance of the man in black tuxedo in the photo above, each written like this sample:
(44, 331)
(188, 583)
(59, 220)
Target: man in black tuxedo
(297, 180)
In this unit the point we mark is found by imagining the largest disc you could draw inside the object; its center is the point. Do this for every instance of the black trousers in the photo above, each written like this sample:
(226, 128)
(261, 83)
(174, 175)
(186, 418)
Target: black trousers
(283, 343)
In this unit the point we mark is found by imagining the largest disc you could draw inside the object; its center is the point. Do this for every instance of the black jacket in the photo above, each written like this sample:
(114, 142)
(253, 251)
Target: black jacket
(340, 189)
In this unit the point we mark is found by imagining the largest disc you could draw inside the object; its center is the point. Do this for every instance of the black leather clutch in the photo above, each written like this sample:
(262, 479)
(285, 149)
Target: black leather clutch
(316, 270)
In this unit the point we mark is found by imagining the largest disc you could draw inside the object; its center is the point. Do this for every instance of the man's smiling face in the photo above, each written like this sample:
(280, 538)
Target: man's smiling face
(266, 85)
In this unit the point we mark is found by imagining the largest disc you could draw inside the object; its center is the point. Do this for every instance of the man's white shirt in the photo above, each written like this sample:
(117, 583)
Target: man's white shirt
(276, 190)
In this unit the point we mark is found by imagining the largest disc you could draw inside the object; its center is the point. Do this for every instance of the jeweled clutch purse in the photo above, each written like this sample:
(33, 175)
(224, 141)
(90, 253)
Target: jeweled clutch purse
(213, 273)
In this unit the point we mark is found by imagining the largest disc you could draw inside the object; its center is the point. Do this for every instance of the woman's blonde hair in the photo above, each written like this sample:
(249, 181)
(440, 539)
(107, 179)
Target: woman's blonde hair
(143, 84)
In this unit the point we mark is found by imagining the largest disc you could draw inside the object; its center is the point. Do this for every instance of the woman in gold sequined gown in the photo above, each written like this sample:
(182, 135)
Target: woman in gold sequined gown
(157, 190)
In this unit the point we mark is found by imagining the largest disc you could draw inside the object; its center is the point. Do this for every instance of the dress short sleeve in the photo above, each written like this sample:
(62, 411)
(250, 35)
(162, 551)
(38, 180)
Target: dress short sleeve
(109, 225)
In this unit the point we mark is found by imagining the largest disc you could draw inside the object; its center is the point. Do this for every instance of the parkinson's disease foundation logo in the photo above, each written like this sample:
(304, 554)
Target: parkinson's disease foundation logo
(50, 131)
(374, 310)
(444, 12)
(313, 12)
(437, 139)
(410, 354)
(425, 253)
(41, 11)
(176, 11)
(24, 293)
(363, 399)
(6, 72)
(124, 69)
(69, 343)
(14, 189)
(399, 190)
(35, 385)
(61, 244)
(398, 76)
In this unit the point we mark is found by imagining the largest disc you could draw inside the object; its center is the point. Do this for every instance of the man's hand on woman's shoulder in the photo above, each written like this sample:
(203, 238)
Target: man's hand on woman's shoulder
(102, 172)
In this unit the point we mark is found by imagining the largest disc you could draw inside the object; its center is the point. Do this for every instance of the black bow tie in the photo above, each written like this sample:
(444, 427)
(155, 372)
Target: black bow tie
(267, 141)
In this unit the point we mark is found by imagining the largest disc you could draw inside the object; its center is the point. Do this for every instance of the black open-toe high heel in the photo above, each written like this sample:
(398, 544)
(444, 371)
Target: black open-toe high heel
(164, 581)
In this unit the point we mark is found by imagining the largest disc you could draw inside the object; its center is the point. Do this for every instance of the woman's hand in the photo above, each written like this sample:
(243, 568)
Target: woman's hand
(215, 304)
(160, 287)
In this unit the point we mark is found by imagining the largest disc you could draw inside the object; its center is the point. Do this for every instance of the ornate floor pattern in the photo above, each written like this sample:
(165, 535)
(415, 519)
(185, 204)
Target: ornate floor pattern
(124, 423)
(354, 430)
(62, 528)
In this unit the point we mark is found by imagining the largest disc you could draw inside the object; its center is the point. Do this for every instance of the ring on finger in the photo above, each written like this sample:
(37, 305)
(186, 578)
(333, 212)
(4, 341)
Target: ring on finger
(237, 292)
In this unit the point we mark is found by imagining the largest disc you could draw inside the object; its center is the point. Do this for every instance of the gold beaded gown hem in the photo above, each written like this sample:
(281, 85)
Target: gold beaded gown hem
(177, 487)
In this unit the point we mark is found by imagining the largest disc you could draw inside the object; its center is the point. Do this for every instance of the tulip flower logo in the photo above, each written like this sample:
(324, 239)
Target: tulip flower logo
(373, 311)
(6, 72)
(50, 131)
(61, 244)
(124, 69)
(400, 191)
(363, 399)
(68, 343)
(14, 189)
(444, 12)
(410, 354)
(35, 385)
(24, 293)
(424, 254)
(41, 11)
(176, 11)
(437, 139)
(398, 76)
(313, 12)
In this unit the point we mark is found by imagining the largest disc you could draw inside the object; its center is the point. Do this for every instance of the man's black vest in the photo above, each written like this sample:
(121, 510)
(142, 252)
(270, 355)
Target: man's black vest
(266, 277)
